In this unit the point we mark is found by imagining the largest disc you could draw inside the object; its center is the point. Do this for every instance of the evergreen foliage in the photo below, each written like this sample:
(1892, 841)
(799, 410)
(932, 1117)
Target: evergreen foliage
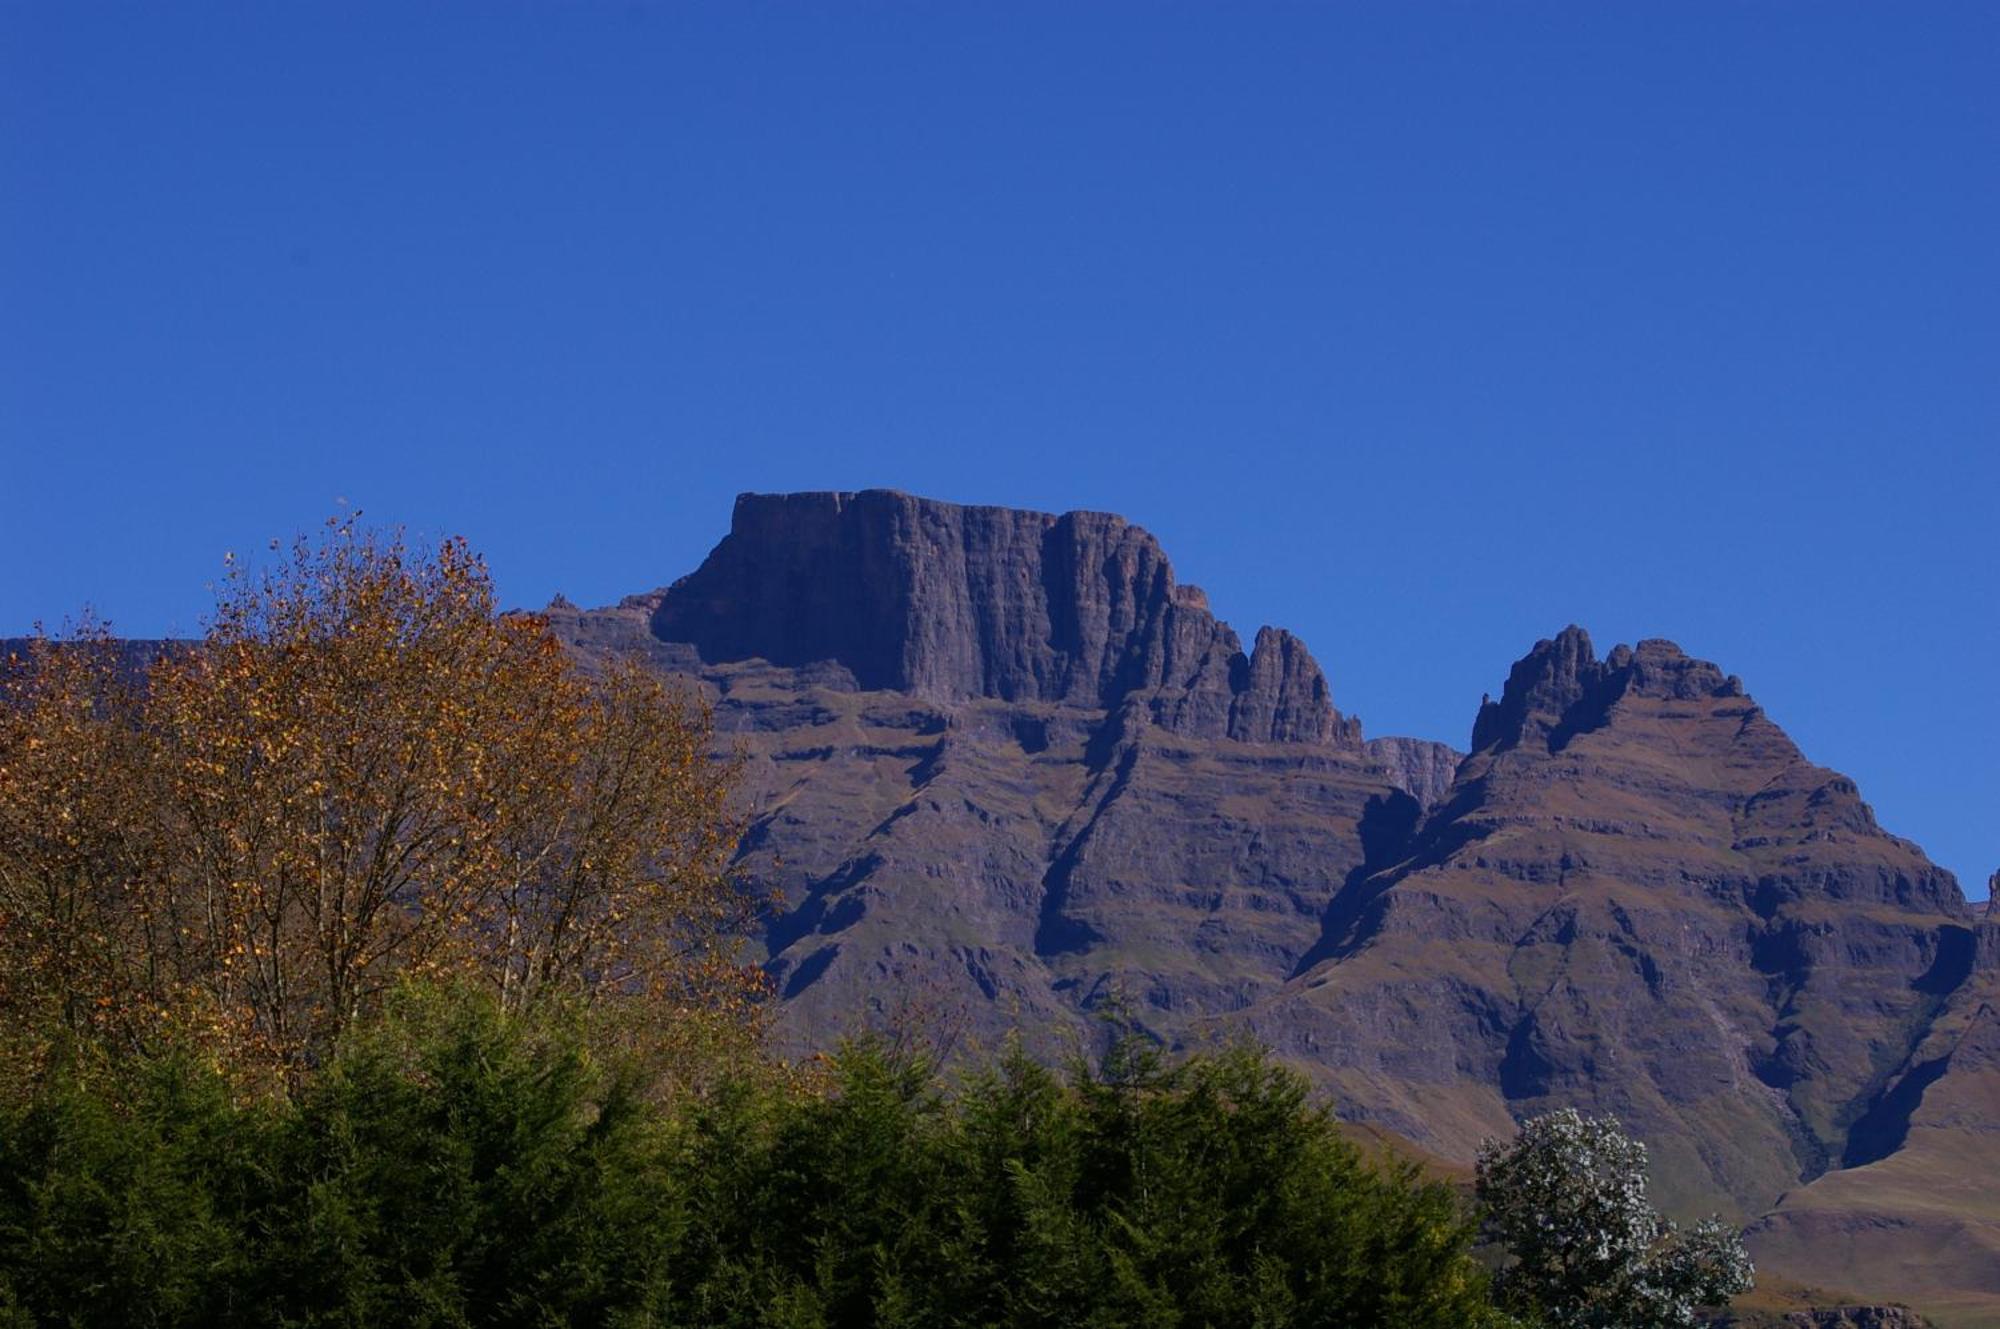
(455, 1164)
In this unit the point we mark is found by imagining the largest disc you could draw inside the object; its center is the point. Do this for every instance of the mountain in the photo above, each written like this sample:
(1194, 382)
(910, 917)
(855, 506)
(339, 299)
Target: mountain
(1638, 896)
(1005, 770)
(1916, 1214)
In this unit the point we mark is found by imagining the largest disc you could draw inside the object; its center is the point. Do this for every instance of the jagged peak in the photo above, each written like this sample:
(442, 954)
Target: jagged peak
(1281, 696)
(1541, 688)
(1560, 687)
(1659, 668)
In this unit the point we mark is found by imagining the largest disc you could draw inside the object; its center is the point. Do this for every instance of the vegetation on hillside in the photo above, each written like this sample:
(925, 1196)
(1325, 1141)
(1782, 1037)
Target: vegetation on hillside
(454, 1164)
(1567, 1199)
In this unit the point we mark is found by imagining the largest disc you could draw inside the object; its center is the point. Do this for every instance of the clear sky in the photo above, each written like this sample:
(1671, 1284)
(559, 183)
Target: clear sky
(1419, 329)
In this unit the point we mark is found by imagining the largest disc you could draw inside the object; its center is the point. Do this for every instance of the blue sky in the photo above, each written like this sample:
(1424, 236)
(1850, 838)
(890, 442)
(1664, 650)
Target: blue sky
(1420, 329)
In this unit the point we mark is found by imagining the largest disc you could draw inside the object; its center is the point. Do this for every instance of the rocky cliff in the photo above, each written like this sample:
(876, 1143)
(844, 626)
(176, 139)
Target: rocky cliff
(1005, 771)
(950, 603)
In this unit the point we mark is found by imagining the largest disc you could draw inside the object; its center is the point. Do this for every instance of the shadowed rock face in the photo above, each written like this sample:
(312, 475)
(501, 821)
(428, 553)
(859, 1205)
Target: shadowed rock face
(951, 603)
(1916, 1214)
(1005, 772)
(1421, 768)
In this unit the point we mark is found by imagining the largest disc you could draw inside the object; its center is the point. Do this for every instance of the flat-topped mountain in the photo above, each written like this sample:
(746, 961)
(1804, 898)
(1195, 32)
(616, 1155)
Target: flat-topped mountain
(950, 603)
(1006, 772)
(1005, 768)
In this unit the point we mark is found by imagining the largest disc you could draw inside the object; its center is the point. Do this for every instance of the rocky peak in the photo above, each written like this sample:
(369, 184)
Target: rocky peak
(1283, 696)
(1658, 668)
(1560, 688)
(951, 603)
(1542, 688)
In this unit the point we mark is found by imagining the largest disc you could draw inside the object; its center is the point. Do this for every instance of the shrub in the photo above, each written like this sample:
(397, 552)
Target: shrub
(1567, 1198)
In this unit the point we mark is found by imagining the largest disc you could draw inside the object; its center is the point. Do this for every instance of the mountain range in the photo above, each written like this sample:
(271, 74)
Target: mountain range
(1005, 773)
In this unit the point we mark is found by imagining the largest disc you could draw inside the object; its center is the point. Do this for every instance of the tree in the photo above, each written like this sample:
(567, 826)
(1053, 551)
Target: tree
(360, 772)
(1567, 1198)
(1209, 1191)
(72, 760)
(455, 1163)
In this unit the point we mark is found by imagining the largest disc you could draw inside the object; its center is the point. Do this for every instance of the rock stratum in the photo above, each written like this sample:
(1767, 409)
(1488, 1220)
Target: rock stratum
(1004, 772)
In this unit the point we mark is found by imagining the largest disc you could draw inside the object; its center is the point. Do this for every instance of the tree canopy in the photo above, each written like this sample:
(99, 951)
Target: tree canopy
(1567, 1199)
(454, 1163)
(360, 772)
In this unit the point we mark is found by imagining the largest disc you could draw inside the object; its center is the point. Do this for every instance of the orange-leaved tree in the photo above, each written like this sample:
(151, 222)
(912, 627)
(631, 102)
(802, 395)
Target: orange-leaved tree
(361, 772)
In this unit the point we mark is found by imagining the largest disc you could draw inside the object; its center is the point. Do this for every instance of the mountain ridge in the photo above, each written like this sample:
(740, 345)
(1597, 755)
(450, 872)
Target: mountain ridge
(1006, 772)
(1002, 771)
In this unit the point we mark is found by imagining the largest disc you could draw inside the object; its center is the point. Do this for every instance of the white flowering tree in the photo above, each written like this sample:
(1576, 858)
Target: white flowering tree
(1567, 1198)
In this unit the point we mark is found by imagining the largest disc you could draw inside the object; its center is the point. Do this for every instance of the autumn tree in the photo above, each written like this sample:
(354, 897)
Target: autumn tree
(362, 772)
(73, 769)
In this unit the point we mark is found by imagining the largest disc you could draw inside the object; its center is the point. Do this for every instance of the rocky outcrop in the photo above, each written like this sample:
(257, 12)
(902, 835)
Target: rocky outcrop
(1822, 1317)
(1419, 767)
(1914, 1214)
(953, 603)
(1560, 689)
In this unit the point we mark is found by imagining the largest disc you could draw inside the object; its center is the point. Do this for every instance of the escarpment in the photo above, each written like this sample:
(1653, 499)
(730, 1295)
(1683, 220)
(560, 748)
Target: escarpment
(951, 603)
(1004, 771)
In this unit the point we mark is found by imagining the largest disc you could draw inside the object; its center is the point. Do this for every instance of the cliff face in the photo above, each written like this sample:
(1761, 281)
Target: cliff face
(951, 603)
(1005, 771)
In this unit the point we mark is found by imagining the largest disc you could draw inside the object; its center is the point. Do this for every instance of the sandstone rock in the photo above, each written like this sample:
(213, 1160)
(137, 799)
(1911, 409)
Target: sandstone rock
(1825, 1317)
(953, 603)
(1914, 1213)
(1858, 1317)
(1419, 767)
